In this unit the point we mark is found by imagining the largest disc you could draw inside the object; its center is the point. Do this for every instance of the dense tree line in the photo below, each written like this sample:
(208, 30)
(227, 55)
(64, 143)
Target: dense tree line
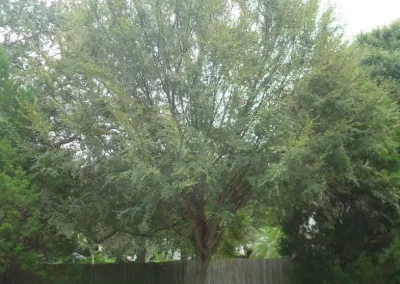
(191, 125)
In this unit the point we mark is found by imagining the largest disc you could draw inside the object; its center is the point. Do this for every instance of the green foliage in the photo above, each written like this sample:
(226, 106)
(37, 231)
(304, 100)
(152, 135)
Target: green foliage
(239, 233)
(370, 267)
(98, 257)
(27, 32)
(14, 98)
(20, 221)
(344, 228)
(267, 244)
(339, 169)
(161, 117)
(390, 262)
(163, 256)
(382, 56)
(19, 214)
(25, 238)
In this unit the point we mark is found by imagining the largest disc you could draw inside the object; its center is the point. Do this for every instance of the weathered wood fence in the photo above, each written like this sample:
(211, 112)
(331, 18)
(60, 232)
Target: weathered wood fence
(236, 271)
(244, 271)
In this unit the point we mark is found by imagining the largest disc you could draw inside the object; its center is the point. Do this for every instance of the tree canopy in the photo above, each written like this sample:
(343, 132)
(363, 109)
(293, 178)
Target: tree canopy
(25, 237)
(180, 123)
(174, 105)
(382, 56)
(340, 167)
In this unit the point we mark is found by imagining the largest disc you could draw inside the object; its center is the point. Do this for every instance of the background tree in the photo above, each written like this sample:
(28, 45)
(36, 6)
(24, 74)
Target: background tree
(339, 171)
(25, 238)
(382, 56)
(172, 104)
(27, 32)
(20, 218)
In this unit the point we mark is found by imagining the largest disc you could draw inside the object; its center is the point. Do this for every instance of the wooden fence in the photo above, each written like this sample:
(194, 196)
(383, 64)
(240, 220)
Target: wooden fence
(236, 271)
(244, 271)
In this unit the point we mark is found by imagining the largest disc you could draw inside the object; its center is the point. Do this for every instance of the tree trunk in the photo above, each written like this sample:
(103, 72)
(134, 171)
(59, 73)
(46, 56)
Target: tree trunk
(202, 263)
(5, 277)
(207, 238)
(201, 276)
(141, 256)
(207, 233)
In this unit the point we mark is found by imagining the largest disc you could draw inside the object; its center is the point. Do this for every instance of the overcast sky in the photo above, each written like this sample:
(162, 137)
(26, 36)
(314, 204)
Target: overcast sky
(363, 15)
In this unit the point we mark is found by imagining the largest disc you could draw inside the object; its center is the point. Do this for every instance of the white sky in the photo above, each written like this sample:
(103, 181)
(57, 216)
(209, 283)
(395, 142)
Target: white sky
(364, 15)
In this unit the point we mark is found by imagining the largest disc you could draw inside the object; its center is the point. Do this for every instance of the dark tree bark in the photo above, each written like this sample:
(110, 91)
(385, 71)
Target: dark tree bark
(141, 256)
(207, 235)
(207, 231)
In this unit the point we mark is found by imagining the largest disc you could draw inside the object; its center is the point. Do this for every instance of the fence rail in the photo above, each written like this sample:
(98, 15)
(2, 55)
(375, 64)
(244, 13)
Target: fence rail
(236, 271)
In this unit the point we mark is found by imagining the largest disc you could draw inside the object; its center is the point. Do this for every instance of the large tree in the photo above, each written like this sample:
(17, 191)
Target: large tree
(165, 112)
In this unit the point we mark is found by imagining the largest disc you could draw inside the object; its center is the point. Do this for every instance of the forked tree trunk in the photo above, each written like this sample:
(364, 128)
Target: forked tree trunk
(208, 230)
(207, 237)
